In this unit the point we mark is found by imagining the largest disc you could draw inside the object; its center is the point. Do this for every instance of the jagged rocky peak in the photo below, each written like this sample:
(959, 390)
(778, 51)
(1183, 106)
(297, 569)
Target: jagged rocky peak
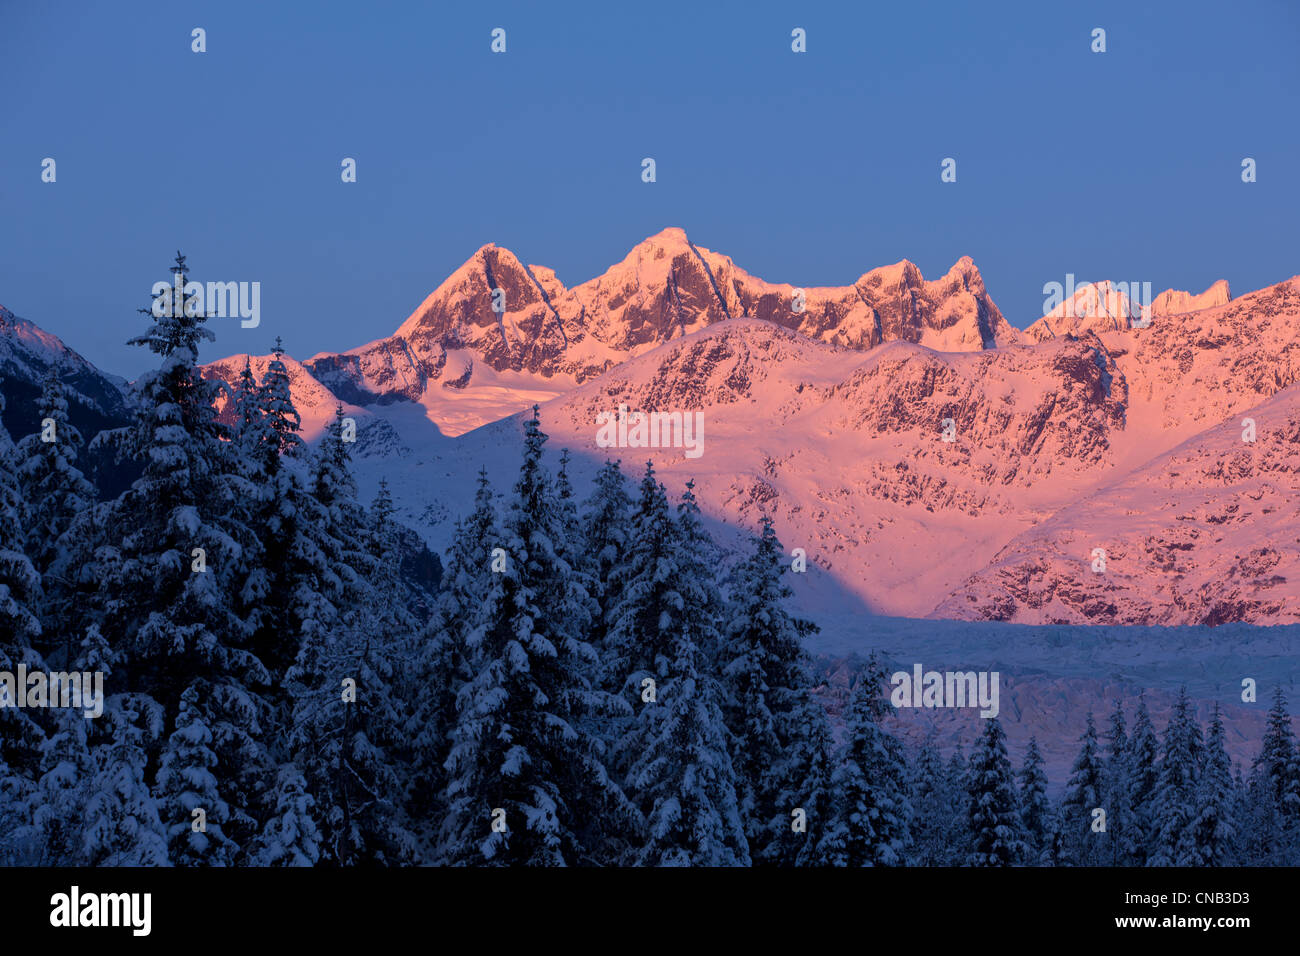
(1177, 302)
(507, 316)
(1106, 306)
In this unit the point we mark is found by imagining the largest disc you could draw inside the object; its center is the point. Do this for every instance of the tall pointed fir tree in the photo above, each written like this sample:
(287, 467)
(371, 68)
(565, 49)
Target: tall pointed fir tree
(122, 824)
(526, 773)
(20, 627)
(170, 597)
(960, 836)
(442, 659)
(681, 773)
(1086, 844)
(1174, 800)
(1212, 838)
(996, 836)
(934, 806)
(1143, 774)
(285, 582)
(345, 691)
(1123, 836)
(607, 535)
(637, 643)
(1274, 790)
(870, 820)
(767, 683)
(1036, 812)
(188, 794)
(56, 494)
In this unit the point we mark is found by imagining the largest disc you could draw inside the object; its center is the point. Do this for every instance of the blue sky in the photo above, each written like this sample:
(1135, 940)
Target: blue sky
(805, 168)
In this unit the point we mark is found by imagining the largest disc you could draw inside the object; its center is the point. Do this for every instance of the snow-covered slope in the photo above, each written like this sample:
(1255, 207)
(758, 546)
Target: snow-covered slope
(1206, 533)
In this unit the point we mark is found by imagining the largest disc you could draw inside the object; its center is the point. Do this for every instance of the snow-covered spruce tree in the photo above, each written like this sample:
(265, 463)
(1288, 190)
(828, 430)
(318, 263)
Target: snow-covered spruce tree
(766, 681)
(1212, 839)
(343, 683)
(526, 773)
(932, 807)
(20, 627)
(1174, 800)
(55, 494)
(169, 597)
(15, 793)
(55, 810)
(681, 774)
(641, 643)
(1278, 758)
(441, 659)
(290, 836)
(122, 824)
(607, 535)
(186, 784)
(816, 801)
(54, 814)
(1123, 836)
(1036, 812)
(289, 573)
(959, 786)
(1085, 794)
(670, 614)
(1143, 774)
(871, 813)
(637, 642)
(995, 826)
(1273, 795)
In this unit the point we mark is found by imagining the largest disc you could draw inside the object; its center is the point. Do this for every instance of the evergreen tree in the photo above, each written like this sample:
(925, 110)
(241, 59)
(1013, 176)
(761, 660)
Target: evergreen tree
(290, 837)
(673, 615)
(1277, 758)
(1211, 839)
(20, 628)
(56, 807)
(169, 600)
(1036, 814)
(122, 824)
(934, 804)
(1122, 835)
(958, 786)
(1274, 791)
(56, 494)
(443, 666)
(995, 826)
(344, 683)
(767, 685)
(1143, 774)
(683, 775)
(607, 536)
(817, 799)
(1175, 796)
(1084, 794)
(638, 643)
(526, 773)
(870, 820)
(186, 783)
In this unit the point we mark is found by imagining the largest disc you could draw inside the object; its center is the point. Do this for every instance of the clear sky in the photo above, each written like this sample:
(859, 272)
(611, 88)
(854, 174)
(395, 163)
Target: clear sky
(805, 168)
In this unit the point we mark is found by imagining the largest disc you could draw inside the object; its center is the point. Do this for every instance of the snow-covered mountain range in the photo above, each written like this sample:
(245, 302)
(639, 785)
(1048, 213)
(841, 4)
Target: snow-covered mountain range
(930, 459)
